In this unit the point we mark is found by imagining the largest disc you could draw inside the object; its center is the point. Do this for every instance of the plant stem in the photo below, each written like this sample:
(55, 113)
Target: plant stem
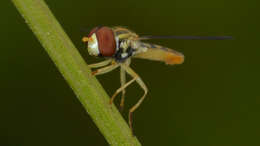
(74, 69)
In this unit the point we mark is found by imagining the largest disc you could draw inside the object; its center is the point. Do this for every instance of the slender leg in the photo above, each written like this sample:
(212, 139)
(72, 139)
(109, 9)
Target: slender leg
(105, 69)
(121, 89)
(100, 64)
(143, 86)
(122, 80)
(123, 85)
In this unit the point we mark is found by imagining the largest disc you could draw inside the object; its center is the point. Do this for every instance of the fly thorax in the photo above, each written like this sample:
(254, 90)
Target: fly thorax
(124, 50)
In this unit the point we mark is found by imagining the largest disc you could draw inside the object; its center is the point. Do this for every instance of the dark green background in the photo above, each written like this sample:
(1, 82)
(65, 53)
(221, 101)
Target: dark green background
(211, 100)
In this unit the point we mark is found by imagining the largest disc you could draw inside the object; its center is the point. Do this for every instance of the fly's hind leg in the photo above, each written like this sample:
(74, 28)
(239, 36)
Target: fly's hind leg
(143, 86)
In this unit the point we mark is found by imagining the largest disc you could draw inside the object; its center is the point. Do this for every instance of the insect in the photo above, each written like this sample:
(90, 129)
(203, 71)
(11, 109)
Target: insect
(119, 45)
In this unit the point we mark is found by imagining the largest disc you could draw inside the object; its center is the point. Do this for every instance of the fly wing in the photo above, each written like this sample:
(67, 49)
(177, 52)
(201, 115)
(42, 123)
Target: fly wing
(124, 33)
(159, 53)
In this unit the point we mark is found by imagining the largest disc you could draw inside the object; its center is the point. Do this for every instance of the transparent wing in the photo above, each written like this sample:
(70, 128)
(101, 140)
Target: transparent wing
(124, 33)
(159, 53)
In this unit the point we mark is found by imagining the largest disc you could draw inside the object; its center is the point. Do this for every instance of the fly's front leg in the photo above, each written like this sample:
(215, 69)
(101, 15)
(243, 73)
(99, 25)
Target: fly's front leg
(105, 69)
(100, 64)
(143, 86)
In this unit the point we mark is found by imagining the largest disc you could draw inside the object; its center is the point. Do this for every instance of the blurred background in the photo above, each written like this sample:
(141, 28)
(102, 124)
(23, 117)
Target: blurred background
(210, 100)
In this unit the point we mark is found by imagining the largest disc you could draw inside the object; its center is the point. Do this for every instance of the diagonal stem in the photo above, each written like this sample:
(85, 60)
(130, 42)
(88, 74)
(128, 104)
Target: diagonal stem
(75, 71)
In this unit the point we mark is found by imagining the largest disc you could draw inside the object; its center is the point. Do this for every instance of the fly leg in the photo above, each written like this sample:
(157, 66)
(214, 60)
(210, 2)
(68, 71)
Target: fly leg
(143, 86)
(100, 64)
(122, 88)
(105, 69)
(122, 81)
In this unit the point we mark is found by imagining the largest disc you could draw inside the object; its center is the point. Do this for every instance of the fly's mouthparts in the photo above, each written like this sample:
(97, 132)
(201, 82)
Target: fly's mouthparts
(85, 39)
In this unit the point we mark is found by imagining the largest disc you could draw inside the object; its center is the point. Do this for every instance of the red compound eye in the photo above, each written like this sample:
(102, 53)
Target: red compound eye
(106, 41)
(93, 31)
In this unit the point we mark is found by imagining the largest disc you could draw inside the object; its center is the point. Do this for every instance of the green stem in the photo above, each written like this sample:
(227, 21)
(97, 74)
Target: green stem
(74, 69)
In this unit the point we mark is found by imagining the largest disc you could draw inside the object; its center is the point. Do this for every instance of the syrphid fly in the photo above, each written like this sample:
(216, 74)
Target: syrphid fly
(119, 45)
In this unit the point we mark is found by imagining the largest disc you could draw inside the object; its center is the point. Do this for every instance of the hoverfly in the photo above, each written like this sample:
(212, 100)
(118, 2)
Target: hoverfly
(119, 45)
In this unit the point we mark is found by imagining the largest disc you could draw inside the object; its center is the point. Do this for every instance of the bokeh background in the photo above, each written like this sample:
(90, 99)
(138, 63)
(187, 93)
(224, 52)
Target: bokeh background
(210, 100)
